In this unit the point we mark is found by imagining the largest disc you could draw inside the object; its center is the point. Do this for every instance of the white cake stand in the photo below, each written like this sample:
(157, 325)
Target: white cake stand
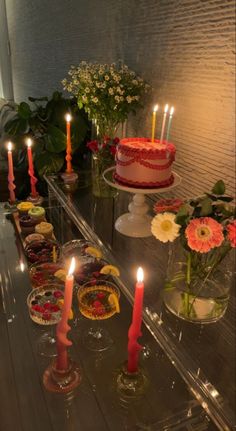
(136, 223)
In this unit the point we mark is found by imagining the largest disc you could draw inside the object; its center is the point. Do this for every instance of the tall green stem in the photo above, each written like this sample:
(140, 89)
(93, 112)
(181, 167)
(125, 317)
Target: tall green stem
(188, 279)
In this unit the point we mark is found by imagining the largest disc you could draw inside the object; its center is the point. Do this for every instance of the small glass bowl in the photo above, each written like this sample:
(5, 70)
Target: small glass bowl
(42, 304)
(42, 251)
(98, 300)
(76, 247)
(44, 273)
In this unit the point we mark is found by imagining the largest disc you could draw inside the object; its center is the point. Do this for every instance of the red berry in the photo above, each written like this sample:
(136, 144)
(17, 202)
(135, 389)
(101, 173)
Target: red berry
(96, 274)
(100, 295)
(37, 308)
(47, 306)
(58, 294)
(54, 308)
(46, 316)
(97, 304)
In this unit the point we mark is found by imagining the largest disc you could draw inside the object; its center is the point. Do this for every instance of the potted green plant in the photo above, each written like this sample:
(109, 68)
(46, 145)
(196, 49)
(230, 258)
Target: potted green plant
(44, 121)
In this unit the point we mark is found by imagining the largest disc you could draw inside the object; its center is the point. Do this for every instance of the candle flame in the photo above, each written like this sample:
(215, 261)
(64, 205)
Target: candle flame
(140, 275)
(172, 109)
(29, 142)
(68, 118)
(72, 266)
(22, 266)
(9, 146)
(166, 108)
(155, 109)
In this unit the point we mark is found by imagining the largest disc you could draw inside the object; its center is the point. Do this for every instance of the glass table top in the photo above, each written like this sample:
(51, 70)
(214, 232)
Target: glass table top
(204, 355)
(168, 403)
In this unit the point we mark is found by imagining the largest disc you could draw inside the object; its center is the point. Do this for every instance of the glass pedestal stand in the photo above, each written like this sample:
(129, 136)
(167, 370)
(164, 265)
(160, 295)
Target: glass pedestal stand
(131, 385)
(61, 381)
(136, 223)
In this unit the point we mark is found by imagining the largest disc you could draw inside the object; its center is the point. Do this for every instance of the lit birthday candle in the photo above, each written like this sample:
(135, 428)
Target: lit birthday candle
(135, 327)
(169, 123)
(68, 144)
(155, 109)
(62, 326)
(164, 122)
(11, 185)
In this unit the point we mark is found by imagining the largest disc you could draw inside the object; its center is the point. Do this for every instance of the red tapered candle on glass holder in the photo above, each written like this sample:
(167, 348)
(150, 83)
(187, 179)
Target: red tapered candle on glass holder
(34, 195)
(63, 374)
(62, 326)
(68, 145)
(69, 177)
(11, 185)
(135, 328)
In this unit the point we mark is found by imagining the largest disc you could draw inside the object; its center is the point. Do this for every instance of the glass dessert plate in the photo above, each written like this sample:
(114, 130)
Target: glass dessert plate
(45, 310)
(98, 300)
(47, 272)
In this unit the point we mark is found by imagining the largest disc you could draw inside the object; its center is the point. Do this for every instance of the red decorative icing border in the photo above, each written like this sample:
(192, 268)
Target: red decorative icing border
(143, 185)
(139, 159)
(150, 154)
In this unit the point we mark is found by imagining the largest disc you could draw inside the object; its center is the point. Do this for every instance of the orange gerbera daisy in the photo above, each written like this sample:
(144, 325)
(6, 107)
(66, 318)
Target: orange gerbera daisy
(203, 234)
(231, 228)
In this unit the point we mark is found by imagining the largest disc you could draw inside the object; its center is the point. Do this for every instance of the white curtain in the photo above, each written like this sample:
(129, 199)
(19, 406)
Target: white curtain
(6, 87)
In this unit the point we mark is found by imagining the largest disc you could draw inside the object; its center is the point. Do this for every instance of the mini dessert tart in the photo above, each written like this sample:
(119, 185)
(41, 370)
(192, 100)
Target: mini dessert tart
(27, 224)
(24, 207)
(144, 164)
(33, 237)
(42, 251)
(45, 229)
(43, 304)
(37, 213)
(99, 302)
(44, 273)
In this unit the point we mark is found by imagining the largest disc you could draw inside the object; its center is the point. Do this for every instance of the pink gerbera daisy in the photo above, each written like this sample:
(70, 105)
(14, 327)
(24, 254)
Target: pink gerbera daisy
(231, 228)
(203, 234)
(168, 205)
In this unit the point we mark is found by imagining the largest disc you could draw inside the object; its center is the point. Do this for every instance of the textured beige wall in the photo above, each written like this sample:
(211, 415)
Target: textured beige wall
(184, 48)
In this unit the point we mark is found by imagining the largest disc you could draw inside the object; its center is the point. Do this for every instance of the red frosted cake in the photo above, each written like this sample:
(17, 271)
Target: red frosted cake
(142, 163)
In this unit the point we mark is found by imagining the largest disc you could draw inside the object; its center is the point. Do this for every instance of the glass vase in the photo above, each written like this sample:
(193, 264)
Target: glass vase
(198, 284)
(100, 188)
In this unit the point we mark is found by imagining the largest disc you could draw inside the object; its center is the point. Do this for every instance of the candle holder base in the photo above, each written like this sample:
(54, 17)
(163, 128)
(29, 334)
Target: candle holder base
(69, 178)
(61, 381)
(131, 385)
(11, 206)
(36, 200)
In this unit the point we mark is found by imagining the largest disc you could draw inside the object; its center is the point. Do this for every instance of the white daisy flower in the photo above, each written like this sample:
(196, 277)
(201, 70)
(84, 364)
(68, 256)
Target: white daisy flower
(111, 91)
(164, 228)
(107, 78)
(129, 99)
(95, 99)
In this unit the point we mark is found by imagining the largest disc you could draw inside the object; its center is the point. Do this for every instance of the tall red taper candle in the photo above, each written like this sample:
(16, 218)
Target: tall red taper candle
(11, 185)
(68, 145)
(62, 326)
(135, 328)
(33, 179)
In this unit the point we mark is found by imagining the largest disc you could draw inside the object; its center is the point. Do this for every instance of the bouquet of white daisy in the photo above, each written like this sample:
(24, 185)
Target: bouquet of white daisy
(108, 93)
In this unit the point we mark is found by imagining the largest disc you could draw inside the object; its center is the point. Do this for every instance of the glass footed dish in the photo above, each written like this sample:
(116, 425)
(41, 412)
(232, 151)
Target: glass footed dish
(47, 272)
(43, 251)
(43, 304)
(99, 300)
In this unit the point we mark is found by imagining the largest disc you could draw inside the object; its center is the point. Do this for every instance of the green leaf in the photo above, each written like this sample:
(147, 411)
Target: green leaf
(183, 211)
(206, 207)
(17, 126)
(24, 110)
(219, 188)
(49, 163)
(55, 140)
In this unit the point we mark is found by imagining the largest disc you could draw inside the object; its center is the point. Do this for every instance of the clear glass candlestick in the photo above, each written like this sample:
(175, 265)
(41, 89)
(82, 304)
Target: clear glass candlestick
(131, 385)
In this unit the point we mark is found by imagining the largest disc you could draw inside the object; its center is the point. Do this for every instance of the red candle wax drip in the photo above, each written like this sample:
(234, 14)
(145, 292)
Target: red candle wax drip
(11, 185)
(33, 179)
(135, 328)
(68, 145)
(62, 327)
